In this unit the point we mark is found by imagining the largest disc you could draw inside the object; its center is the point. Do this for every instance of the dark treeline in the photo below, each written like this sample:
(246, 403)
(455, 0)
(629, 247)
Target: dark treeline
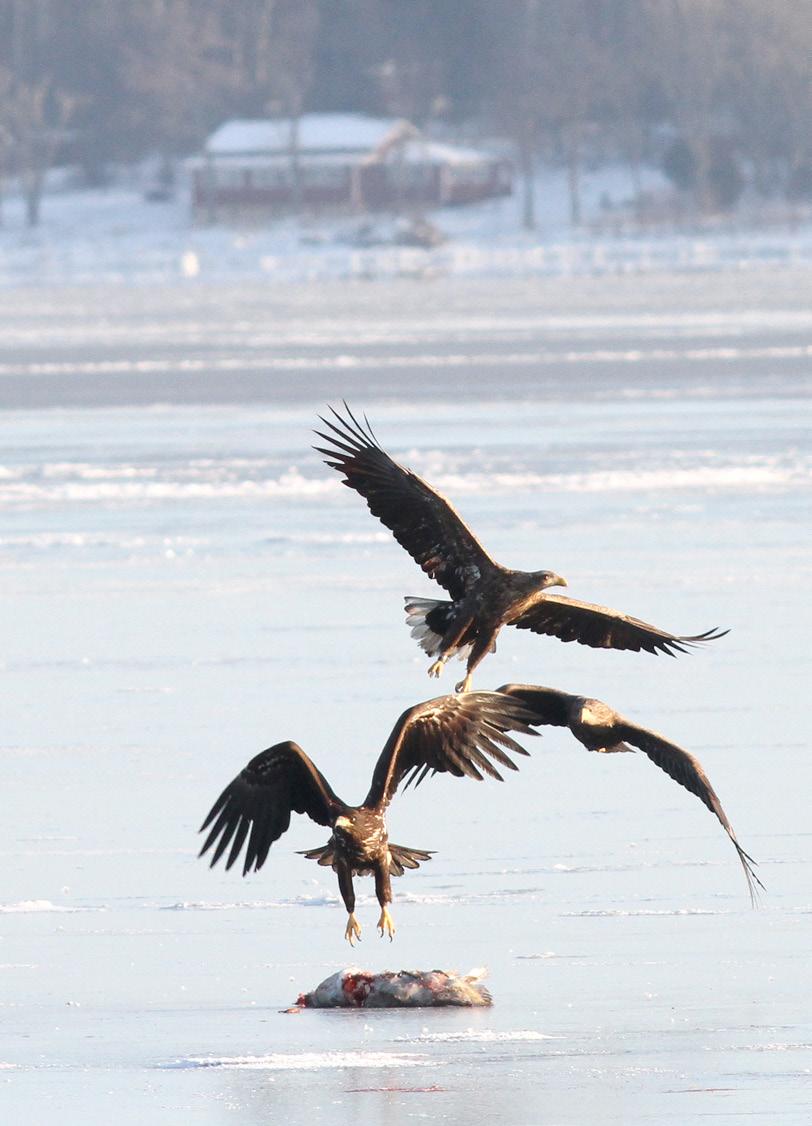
(717, 90)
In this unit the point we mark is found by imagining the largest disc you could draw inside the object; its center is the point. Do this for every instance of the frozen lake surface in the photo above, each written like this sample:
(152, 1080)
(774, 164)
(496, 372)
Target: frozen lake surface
(184, 583)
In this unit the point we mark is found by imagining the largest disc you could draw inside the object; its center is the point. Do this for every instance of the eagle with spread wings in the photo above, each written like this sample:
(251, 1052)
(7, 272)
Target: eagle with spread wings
(466, 736)
(600, 728)
(484, 595)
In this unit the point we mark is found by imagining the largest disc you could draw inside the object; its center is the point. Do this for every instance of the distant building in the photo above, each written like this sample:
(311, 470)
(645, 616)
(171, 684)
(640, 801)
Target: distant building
(336, 161)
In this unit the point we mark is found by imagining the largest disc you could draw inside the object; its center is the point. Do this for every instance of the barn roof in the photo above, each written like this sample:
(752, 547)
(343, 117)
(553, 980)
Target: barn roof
(318, 132)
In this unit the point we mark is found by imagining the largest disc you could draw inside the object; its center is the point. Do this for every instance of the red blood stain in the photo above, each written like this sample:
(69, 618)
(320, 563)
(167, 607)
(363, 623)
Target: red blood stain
(357, 988)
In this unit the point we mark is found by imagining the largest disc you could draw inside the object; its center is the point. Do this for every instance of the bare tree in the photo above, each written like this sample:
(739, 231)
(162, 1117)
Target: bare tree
(290, 71)
(176, 70)
(689, 47)
(36, 118)
(34, 110)
(576, 71)
(248, 27)
(6, 140)
(770, 87)
(553, 75)
(517, 97)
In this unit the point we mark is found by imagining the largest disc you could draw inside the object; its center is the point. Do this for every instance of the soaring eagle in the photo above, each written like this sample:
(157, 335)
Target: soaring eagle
(484, 595)
(459, 735)
(599, 728)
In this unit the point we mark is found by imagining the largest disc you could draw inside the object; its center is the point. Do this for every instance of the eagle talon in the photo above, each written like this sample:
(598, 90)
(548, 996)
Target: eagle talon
(464, 685)
(436, 668)
(353, 930)
(385, 923)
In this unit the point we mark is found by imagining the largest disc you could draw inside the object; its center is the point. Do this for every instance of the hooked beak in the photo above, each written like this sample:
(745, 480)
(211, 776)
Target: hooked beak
(559, 581)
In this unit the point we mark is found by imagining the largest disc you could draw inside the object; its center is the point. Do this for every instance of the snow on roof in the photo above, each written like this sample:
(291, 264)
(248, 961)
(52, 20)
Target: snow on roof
(338, 132)
(328, 137)
(432, 152)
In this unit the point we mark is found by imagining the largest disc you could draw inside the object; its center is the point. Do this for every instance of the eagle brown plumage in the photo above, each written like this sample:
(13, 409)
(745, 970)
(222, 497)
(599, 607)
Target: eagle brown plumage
(466, 736)
(484, 595)
(600, 728)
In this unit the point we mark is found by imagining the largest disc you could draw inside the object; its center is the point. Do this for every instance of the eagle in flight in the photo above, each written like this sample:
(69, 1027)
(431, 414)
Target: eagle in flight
(460, 735)
(600, 728)
(484, 595)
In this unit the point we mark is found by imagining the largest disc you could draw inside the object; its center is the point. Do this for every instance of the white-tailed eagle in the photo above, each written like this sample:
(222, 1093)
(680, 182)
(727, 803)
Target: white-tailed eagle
(460, 735)
(484, 595)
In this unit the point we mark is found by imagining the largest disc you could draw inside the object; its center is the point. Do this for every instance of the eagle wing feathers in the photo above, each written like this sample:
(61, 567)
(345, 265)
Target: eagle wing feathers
(687, 771)
(422, 521)
(550, 706)
(601, 628)
(460, 735)
(561, 709)
(259, 801)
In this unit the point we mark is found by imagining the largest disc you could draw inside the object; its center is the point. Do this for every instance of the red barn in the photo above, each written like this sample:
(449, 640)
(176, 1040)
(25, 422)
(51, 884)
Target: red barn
(336, 161)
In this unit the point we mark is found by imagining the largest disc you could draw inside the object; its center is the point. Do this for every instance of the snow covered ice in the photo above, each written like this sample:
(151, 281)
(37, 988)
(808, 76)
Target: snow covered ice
(185, 583)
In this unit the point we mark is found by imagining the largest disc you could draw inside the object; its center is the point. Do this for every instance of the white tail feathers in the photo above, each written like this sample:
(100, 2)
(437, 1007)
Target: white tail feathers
(417, 610)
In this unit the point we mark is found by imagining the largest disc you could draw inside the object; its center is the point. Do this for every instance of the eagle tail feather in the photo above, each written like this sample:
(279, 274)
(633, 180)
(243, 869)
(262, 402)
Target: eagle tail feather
(401, 858)
(324, 855)
(428, 619)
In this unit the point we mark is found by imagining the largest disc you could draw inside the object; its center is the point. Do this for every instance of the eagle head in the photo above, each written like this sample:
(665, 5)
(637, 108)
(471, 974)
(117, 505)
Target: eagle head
(548, 578)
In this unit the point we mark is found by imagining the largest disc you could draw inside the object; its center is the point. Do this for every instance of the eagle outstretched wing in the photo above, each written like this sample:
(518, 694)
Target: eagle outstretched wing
(551, 707)
(459, 735)
(561, 709)
(422, 521)
(602, 628)
(687, 771)
(274, 784)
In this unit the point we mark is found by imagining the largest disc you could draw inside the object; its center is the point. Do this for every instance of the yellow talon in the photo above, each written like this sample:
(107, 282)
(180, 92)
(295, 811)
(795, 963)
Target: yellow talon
(436, 668)
(386, 923)
(353, 930)
(464, 685)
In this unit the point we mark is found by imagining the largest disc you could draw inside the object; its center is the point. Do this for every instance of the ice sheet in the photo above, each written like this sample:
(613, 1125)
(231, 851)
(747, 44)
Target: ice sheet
(185, 584)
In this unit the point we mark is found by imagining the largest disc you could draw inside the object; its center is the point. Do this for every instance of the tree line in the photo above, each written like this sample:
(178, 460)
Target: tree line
(718, 91)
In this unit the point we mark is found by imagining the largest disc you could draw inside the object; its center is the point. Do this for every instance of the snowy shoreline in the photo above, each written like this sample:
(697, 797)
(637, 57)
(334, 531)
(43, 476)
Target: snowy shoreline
(114, 237)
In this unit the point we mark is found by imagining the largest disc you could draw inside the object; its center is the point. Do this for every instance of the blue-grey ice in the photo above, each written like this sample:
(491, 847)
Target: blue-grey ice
(184, 583)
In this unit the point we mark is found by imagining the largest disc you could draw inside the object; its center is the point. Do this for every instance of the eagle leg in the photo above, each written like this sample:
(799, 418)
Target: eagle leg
(485, 643)
(386, 923)
(344, 873)
(383, 893)
(353, 930)
(436, 668)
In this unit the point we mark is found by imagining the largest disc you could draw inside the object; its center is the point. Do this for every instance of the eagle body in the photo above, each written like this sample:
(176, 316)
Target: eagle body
(459, 735)
(468, 627)
(360, 835)
(484, 596)
(596, 725)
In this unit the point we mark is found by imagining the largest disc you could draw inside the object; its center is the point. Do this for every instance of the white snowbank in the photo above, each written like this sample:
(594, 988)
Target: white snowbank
(109, 485)
(479, 1036)
(307, 1061)
(32, 906)
(114, 236)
